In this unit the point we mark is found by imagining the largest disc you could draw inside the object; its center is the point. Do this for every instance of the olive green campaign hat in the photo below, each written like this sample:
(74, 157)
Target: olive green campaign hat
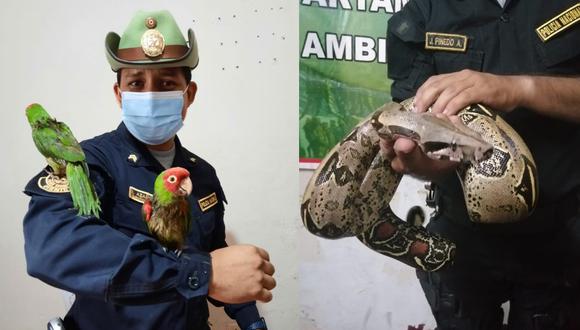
(152, 40)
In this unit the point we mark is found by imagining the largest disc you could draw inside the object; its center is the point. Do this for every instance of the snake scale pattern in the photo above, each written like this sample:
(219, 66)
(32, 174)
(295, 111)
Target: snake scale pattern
(350, 191)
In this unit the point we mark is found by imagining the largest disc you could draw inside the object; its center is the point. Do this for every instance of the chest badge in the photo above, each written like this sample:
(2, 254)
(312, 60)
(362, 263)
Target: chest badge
(208, 202)
(445, 41)
(138, 196)
(561, 22)
(53, 184)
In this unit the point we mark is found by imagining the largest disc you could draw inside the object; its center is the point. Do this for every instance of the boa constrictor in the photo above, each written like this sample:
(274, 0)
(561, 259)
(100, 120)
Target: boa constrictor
(349, 193)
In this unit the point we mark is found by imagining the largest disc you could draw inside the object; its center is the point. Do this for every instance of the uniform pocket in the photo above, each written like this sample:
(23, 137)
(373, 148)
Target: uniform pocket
(207, 222)
(203, 228)
(447, 62)
(127, 216)
(562, 51)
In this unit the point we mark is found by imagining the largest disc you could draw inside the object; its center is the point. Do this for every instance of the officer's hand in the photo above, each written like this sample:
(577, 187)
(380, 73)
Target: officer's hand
(407, 158)
(450, 93)
(241, 273)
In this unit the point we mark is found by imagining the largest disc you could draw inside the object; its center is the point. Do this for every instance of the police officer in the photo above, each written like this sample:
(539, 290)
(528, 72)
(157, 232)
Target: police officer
(121, 276)
(522, 59)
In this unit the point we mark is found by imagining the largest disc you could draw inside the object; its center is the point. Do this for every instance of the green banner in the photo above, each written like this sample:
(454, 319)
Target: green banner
(342, 69)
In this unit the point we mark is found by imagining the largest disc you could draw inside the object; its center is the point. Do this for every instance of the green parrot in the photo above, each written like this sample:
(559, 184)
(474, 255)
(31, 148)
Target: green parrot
(168, 213)
(56, 142)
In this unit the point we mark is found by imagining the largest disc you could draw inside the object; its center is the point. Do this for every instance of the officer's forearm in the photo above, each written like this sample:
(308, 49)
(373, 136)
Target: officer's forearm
(87, 257)
(552, 96)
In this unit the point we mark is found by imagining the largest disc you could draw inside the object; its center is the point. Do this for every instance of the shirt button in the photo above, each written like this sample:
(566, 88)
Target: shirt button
(193, 282)
(504, 17)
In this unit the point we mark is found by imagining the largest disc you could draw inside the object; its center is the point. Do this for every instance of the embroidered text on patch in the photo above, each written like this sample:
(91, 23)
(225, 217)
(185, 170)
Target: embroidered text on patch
(53, 184)
(207, 202)
(445, 41)
(559, 23)
(138, 196)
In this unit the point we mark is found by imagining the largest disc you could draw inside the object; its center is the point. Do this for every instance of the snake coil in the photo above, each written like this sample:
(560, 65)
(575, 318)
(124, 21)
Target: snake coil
(350, 191)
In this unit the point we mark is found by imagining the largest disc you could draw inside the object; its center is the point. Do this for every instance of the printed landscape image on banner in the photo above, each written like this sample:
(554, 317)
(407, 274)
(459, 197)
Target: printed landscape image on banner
(343, 55)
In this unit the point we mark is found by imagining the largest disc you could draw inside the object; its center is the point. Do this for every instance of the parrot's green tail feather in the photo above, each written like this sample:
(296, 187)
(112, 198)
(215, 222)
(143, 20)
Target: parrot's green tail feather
(83, 193)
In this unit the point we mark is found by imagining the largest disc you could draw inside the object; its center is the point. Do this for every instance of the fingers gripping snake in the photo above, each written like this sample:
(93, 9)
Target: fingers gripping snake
(350, 191)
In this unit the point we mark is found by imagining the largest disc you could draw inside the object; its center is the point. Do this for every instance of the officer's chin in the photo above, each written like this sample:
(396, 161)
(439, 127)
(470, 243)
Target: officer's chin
(167, 145)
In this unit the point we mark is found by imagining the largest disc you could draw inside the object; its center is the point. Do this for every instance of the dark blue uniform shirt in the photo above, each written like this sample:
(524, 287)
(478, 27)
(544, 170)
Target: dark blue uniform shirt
(501, 41)
(531, 263)
(122, 277)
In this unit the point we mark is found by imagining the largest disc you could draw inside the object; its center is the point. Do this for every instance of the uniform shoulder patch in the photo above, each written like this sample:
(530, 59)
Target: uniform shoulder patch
(559, 23)
(208, 202)
(138, 196)
(53, 184)
(445, 41)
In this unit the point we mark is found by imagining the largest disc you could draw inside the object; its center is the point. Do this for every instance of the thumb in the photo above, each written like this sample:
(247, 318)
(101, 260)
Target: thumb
(404, 147)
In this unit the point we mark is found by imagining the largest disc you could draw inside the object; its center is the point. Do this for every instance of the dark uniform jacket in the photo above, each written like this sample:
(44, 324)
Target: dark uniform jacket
(122, 277)
(516, 39)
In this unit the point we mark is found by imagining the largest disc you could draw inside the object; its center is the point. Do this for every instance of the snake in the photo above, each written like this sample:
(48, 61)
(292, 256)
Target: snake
(350, 191)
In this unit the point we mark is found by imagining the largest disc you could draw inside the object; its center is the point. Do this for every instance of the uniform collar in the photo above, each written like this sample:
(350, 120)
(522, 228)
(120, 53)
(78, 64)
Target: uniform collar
(139, 156)
(507, 3)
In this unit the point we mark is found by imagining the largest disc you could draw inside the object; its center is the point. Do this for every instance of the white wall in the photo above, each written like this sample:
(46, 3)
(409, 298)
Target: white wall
(244, 121)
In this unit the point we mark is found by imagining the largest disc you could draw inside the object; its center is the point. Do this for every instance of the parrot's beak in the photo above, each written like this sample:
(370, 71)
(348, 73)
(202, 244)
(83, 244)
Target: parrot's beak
(185, 187)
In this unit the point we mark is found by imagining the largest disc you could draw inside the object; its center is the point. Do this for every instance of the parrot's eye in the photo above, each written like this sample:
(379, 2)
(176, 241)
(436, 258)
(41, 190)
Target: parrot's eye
(172, 179)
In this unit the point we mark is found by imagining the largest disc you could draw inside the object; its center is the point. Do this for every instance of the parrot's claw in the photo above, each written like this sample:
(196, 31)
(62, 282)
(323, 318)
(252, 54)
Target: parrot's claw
(177, 252)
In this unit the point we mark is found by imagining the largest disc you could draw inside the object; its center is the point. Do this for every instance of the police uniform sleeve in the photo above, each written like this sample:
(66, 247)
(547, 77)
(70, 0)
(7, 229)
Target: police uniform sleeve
(86, 256)
(244, 314)
(409, 65)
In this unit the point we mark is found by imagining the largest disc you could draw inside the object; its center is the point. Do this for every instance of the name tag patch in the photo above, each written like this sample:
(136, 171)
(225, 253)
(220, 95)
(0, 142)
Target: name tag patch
(208, 202)
(53, 184)
(445, 41)
(561, 22)
(138, 196)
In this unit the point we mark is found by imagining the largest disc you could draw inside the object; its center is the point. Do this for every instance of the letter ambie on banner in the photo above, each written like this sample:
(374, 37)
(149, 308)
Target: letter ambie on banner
(345, 47)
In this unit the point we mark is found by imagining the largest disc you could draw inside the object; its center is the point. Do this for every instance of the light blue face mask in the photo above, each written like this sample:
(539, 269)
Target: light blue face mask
(152, 117)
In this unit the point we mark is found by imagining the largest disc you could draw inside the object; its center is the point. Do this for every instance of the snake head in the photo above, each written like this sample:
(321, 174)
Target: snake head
(442, 139)
(438, 138)
(467, 151)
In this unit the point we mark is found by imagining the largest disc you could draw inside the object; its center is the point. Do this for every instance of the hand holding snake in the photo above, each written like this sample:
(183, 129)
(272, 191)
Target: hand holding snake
(406, 157)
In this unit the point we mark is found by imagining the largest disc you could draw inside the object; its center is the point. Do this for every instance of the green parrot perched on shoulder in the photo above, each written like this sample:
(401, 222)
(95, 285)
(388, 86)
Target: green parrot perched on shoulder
(168, 213)
(56, 142)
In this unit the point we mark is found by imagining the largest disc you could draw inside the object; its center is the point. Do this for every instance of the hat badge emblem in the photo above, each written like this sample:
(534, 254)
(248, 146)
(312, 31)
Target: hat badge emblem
(152, 41)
